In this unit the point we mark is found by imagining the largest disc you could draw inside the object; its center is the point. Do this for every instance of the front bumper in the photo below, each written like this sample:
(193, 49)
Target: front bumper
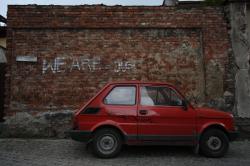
(233, 135)
(79, 135)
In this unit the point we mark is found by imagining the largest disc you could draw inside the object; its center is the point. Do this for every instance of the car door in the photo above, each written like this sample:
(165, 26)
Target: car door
(162, 117)
(120, 104)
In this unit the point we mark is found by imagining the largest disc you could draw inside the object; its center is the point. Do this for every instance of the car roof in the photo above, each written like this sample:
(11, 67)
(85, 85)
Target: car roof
(140, 82)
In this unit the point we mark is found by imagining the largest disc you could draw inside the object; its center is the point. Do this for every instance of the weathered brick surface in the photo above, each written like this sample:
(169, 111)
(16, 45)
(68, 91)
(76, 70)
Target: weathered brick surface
(81, 48)
(90, 58)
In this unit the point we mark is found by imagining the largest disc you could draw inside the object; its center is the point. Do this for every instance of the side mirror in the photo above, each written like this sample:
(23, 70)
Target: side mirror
(184, 105)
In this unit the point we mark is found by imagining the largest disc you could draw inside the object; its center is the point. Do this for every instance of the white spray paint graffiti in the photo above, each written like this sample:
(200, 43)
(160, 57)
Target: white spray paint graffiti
(123, 66)
(68, 64)
(54, 66)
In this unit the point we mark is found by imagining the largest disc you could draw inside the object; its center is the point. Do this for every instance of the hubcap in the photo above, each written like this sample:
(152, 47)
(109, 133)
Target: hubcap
(107, 144)
(214, 143)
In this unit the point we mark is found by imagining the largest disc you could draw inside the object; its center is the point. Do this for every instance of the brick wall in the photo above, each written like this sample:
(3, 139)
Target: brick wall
(81, 48)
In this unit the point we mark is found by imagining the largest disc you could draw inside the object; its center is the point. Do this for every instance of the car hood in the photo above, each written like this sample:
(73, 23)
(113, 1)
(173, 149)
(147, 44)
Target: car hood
(212, 113)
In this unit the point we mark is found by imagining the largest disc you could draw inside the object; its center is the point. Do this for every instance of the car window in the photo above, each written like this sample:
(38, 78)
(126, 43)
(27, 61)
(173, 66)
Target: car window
(122, 95)
(148, 95)
(151, 96)
(172, 98)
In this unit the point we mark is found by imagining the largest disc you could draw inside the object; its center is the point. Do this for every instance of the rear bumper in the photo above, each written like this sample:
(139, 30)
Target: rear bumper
(79, 135)
(233, 135)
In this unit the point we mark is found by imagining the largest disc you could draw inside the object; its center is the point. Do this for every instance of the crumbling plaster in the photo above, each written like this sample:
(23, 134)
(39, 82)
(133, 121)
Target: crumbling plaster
(241, 50)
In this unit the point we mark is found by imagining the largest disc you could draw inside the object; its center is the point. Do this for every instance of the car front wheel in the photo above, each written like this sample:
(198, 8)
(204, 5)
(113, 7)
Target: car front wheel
(106, 143)
(214, 143)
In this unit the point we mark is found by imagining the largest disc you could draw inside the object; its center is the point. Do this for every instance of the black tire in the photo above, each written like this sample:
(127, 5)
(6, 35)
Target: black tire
(214, 143)
(106, 143)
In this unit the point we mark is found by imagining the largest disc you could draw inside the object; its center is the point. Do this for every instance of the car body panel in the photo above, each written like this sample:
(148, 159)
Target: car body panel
(172, 121)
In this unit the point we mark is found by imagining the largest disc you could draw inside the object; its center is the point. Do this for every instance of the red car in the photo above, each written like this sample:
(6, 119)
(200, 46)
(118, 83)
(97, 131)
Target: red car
(146, 113)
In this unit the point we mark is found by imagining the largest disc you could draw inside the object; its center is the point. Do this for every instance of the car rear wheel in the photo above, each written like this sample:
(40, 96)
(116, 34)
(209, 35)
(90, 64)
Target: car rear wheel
(106, 143)
(214, 143)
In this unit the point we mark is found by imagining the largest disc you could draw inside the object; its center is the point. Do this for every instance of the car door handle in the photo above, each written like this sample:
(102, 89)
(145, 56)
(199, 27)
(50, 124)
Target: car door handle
(143, 112)
(122, 116)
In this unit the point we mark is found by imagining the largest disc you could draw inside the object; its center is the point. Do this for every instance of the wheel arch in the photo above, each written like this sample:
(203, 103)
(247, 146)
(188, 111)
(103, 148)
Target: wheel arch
(214, 126)
(110, 126)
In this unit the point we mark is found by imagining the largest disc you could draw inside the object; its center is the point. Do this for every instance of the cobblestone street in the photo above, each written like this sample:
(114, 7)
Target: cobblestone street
(47, 152)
